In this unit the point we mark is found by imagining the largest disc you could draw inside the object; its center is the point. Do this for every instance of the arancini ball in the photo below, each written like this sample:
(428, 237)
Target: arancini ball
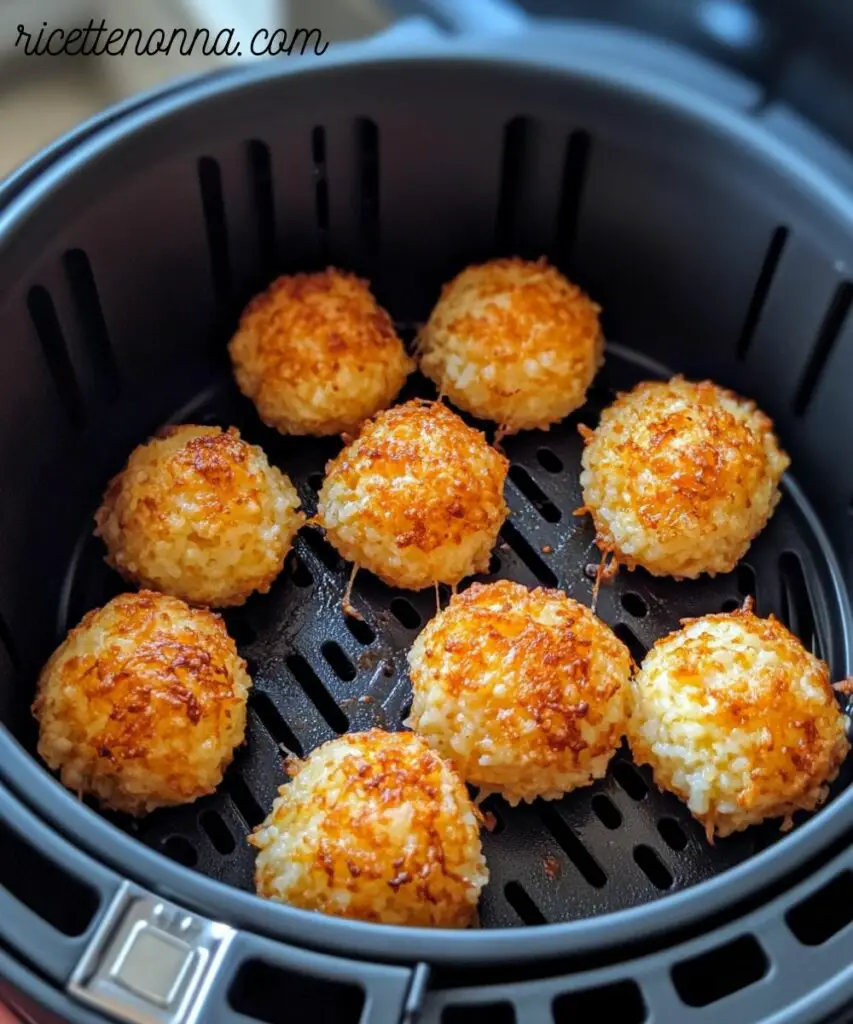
(513, 341)
(143, 704)
(374, 826)
(524, 691)
(417, 498)
(200, 514)
(317, 355)
(738, 719)
(680, 477)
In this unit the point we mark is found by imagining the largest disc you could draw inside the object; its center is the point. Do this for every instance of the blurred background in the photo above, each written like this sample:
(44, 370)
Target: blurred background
(796, 50)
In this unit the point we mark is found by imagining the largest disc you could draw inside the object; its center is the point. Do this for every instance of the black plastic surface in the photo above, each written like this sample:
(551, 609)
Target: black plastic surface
(318, 673)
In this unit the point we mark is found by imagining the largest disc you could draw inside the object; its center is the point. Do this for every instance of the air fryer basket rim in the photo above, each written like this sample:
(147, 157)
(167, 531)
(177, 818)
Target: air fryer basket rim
(35, 786)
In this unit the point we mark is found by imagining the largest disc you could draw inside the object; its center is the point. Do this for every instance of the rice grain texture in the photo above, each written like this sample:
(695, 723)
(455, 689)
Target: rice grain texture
(374, 826)
(200, 514)
(317, 355)
(416, 498)
(143, 704)
(680, 477)
(523, 690)
(738, 719)
(513, 341)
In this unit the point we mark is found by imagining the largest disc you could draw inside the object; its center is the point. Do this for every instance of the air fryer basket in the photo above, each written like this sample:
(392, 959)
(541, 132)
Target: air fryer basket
(715, 249)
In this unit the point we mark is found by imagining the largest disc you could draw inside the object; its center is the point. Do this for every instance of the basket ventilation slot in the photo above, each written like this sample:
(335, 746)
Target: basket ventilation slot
(653, 867)
(833, 322)
(630, 639)
(317, 693)
(338, 661)
(721, 972)
(217, 832)
(300, 573)
(522, 903)
(274, 724)
(762, 289)
(516, 135)
(629, 779)
(260, 169)
(519, 544)
(672, 834)
(823, 913)
(321, 191)
(479, 1013)
(795, 602)
(57, 897)
(368, 173)
(46, 323)
(634, 604)
(549, 461)
(84, 290)
(9, 644)
(360, 630)
(213, 207)
(621, 1002)
(262, 990)
(575, 166)
(571, 845)
(606, 811)
(244, 800)
(322, 549)
(534, 494)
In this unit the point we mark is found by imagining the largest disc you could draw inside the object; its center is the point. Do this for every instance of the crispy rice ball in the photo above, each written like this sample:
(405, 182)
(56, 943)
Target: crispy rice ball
(737, 718)
(523, 690)
(143, 703)
(514, 342)
(200, 514)
(374, 826)
(317, 355)
(680, 477)
(416, 498)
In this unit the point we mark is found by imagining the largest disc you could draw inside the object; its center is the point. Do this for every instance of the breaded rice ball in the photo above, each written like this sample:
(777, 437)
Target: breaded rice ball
(523, 690)
(374, 826)
(317, 355)
(416, 498)
(200, 514)
(738, 719)
(680, 477)
(143, 703)
(513, 341)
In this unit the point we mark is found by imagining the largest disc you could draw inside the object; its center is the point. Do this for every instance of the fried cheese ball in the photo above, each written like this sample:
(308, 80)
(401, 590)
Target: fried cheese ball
(143, 704)
(374, 826)
(514, 342)
(738, 719)
(200, 514)
(416, 498)
(680, 477)
(523, 690)
(317, 355)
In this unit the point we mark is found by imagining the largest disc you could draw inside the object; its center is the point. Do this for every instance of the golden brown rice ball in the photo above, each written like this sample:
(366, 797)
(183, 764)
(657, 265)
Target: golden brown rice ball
(523, 690)
(680, 477)
(317, 355)
(143, 703)
(374, 826)
(416, 498)
(738, 719)
(200, 514)
(514, 342)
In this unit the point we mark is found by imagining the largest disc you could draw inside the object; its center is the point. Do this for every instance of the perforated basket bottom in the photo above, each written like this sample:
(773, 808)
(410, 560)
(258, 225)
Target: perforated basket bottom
(318, 673)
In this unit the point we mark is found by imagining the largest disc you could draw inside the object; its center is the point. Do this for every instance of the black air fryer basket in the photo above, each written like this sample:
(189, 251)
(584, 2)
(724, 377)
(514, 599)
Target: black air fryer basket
(717, 234)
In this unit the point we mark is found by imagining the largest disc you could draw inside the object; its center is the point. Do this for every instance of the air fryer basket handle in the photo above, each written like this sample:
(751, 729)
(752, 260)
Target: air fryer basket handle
(480, 17)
